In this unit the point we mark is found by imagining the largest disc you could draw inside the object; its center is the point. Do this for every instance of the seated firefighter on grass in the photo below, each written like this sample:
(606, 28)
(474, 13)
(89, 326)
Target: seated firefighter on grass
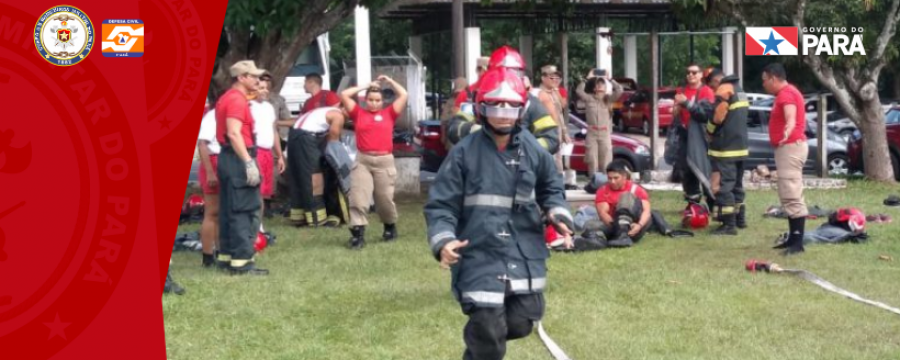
(623, 207)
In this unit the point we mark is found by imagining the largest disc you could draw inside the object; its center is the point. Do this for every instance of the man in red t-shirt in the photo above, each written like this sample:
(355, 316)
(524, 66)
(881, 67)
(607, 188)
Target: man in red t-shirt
(692, 162)
(787, 133)
(623, 207)
(320, 98)
(239, 177)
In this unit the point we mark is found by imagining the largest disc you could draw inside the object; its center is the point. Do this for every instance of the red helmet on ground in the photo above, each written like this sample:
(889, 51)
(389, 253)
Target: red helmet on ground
(853, 217)
(194, 204)
(261, 242)
(506, 57)
(696, 216)
(501, 93)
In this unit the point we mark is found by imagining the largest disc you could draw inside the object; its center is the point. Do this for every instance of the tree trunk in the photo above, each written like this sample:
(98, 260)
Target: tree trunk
(876, 156)
(896, 83)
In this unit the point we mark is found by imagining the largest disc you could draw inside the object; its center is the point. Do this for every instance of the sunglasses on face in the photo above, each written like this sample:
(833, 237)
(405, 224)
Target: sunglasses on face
(693, 72)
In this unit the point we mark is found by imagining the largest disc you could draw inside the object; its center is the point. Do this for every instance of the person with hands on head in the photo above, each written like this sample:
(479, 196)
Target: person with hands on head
(787, 133)
(484, 219)
(238, 172)
(623, 207)
(373, 170)
(598, 99)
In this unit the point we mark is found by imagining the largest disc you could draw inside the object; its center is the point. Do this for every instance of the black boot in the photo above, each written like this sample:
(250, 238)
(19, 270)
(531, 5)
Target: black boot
(623, 240)
(209, 260)
(727, 227)
(741, 220)
(358, 240)
(794, 244)
(390, 232)
(249, 269)
(172, 287)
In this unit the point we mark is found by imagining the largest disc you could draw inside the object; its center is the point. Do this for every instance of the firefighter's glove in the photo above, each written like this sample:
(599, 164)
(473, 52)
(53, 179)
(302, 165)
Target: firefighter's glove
(252, 171)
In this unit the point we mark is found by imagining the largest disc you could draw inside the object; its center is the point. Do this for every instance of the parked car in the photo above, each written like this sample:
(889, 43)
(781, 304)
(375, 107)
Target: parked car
(855, 147)
(756, 97)
(763, 153)
(635, 153)
(635, 111)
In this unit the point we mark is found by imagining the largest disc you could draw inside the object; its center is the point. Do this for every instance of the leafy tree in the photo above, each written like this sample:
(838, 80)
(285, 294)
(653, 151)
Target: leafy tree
(853, 80)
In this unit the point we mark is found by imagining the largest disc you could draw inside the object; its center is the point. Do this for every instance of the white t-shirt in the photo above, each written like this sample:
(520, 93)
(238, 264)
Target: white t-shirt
(208, 132)
(314, 121)
(264, 121)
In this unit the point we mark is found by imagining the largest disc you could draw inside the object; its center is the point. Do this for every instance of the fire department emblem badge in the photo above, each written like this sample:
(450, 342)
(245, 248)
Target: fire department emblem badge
(64, 35)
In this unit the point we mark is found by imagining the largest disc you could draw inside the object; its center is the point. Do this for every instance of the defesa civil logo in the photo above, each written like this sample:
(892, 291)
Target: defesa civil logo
(782, 40)
(123, 38)
(64, 35)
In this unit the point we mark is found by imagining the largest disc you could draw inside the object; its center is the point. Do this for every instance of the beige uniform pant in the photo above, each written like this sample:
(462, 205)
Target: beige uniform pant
(598, 150)
(372, 174)
(789, 160)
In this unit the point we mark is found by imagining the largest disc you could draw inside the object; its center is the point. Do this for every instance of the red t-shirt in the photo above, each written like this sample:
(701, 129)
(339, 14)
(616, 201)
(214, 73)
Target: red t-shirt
(316, 101)
(374, 130)
(788, 95)
(234, 104)
(706, 93)
(607, 195)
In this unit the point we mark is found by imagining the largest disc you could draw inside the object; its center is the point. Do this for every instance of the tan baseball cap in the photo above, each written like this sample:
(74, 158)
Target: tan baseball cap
(245, 67)
(550, 70)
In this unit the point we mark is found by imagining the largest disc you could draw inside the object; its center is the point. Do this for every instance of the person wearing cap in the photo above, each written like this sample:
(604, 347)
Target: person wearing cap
(373, 172)
(535, 117)
(484, 222)
(238, 172)
(598, 99)
(728, 148)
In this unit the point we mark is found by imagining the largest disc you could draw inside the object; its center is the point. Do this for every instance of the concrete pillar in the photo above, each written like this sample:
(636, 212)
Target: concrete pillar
(739, 56)
(564, 59)
(459, 41)
(473, 52)
(654, 102)
(631, 57)
(728, 50)
(415, 45)
(603, 50)
(526, 49)
(363, 46)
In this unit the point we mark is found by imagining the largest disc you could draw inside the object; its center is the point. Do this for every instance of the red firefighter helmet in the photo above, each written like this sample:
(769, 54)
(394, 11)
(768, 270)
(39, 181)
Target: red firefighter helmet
(506, 57)
(696, 216)
(194, 204)
(261, 242)
(853, 217)
(501, 93)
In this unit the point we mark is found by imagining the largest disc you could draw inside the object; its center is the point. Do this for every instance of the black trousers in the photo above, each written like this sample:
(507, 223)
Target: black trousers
(489, 328)
(731, 184)
(628, 211)
(306, 162)
(239, 206)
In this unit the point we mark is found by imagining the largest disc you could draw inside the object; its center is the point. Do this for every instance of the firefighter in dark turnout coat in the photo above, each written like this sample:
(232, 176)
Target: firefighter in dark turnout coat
(484, 217)
(728, 148)
(535, 119)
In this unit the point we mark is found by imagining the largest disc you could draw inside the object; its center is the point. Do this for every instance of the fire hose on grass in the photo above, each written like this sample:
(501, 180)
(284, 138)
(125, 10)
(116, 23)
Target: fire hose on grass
(757, 265)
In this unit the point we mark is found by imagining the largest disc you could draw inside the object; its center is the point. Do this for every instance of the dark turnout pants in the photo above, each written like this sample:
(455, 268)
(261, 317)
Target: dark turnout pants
(239, 206)
(306, 165)
(628, 211)
(489, 328)
(731, 184)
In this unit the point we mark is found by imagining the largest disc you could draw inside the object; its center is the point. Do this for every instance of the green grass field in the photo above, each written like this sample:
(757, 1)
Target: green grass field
(662, 299)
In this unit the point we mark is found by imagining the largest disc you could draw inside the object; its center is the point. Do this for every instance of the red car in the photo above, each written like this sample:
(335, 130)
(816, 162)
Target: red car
(855, 147)
(632, 152)
(635, 111)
